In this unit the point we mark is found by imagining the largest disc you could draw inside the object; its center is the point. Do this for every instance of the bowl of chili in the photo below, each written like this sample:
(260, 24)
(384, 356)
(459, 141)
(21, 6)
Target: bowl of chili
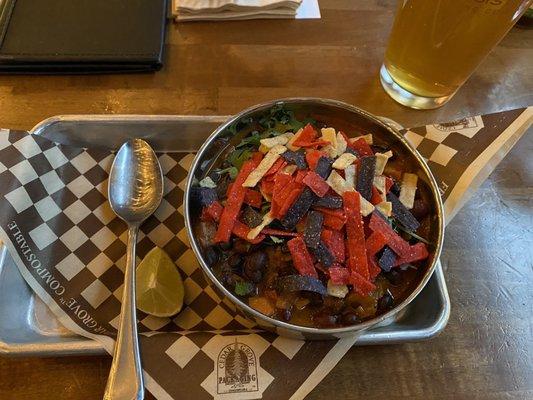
(313, 217)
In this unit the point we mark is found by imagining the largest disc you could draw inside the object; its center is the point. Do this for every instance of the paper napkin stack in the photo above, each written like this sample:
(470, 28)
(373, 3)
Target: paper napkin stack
(196, 10)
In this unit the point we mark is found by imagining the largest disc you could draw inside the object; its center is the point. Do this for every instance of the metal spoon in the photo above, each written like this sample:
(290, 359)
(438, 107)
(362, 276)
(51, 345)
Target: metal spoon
(135, 191)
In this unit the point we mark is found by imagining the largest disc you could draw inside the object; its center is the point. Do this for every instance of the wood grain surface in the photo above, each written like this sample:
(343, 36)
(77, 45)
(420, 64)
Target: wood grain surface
(486, 351)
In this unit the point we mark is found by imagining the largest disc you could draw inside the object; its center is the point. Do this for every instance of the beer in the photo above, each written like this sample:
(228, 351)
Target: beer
(436, 44)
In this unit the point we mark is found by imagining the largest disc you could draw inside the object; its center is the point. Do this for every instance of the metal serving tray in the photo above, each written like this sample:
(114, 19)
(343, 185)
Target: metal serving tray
(27, 327)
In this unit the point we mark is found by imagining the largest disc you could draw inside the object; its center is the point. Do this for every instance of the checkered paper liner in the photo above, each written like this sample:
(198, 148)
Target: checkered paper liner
(70, 248)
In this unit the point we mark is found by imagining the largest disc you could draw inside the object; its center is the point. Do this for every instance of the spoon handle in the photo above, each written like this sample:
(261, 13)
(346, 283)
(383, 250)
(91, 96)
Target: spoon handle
(125, 380)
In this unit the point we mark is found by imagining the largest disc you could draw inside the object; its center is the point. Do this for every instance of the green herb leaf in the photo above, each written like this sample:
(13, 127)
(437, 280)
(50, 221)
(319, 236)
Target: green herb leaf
(265, 208)
(232, 171)
(412, 234)
(243, 288)
(238, 157)
(276, 239)
(405, 267)
(207, 182)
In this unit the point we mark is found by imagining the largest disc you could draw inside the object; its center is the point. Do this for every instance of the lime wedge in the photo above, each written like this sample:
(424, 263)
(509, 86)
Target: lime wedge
(159, 285)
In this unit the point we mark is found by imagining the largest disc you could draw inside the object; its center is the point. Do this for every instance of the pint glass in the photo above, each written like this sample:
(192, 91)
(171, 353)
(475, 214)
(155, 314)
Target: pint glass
(436, 44)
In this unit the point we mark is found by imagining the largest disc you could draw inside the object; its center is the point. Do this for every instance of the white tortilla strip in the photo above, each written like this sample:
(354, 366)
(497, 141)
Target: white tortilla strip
(290, 169)
(290, 145)
(408, 189)
(367, 138)
(265, 164)
(381, 161)
(330, 151)
(379, 183)
(266, 196)
(385, 207)
(267, 219)
(276, 140)
(344, 160)
(341, 144)
(337, 183)
(366, 206)
(339, 291)
(349, 175)
(329, 135)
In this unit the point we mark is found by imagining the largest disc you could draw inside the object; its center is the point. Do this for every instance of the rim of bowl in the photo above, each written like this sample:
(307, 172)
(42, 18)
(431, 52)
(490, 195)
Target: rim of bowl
(285, 325)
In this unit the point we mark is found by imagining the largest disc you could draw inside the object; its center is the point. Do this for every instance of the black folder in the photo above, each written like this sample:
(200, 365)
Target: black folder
(81, 36)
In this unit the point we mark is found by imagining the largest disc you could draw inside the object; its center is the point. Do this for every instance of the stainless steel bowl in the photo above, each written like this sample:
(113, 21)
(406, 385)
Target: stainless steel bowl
(343, 117)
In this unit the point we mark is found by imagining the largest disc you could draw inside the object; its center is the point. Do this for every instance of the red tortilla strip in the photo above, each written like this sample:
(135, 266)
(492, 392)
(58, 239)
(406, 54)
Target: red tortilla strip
(399, 245)
(212, 212)
(339, 275)
(308, 135)
(253, 198)
(233, 204)
(257, 157)
(373, 268)
(316, 183)
(241, 231)
(357, 261)
(362, 147)
(376, 196)
(334, 222)
(312, 157)
(417, 252)
(361, 284)
(303, 262)
(334, 240)
(374, 243)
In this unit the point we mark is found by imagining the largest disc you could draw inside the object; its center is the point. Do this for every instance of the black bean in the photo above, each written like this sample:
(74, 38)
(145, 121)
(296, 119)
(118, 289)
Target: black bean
(376, 148)
(286, 314)
(324, 320)
(420, 209)
(255, 265)
(224, 246)
(205, 196)
(349, 318)
(240, 246)
(210, 255)
(234, 261)
(222, 186)
(315, 299)
(394, 277)
(386, 302)
(334, 304)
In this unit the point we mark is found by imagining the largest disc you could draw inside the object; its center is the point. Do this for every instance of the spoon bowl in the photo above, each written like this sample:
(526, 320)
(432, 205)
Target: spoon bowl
(135, 182)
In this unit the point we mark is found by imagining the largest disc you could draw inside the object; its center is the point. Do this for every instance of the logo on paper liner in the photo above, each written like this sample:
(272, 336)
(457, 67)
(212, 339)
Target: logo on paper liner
(457, 125)
(236, 369)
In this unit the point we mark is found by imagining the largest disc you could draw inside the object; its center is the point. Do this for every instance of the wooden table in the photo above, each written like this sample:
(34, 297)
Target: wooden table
(486, 352)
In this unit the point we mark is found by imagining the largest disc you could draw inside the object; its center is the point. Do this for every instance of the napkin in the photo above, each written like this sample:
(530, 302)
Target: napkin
(70, 248)
(213, 10)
